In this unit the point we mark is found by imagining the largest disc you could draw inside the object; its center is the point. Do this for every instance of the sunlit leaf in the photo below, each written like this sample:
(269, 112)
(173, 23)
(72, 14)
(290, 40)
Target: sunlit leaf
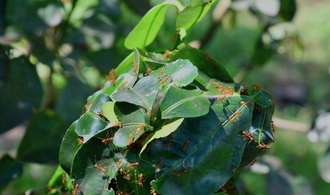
(183, 103)
(164, 131)
(147, 29)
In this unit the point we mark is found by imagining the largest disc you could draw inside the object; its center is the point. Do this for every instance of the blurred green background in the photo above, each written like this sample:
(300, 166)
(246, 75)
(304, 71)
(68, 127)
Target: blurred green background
(54, 54)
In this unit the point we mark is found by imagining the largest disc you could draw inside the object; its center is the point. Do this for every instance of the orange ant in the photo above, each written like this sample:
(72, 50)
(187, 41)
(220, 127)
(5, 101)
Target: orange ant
(248, 135)
(125, 173)
(107, 140)
(119, 162)
(246, 103)
(75, 190)
(165, 79)
(254, 161)
(185, 145)
(87, 106)
(167, 54)
(153, 191)
(169, 140)
(181, 172)
(140, 181)
(272, 126)
(256, 86)
(134, 67)
(80, 140)
(111, 76)
(234, 116)
(99, 166)
(263, 146)
(133, 164)
(130, 139)
(160, 73)
(149, 70)
(118, 124)
(140, 128)
(124, 84)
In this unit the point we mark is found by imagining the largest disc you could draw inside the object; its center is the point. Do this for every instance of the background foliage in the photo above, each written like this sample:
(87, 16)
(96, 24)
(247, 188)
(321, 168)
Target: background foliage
(53, 54)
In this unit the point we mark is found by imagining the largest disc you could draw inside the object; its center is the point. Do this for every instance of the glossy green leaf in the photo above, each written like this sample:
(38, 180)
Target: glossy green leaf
(135, 176)
(262, 127)
(11, 169)
(90, 124)
(94, 166)
(180, 73)
(143, 93)
(183, 103)
(99, 101)
(260, 96)
(211, 141)
(69, 146)
(124, 80)
(109, 113)
(188, 17)
(133, 121)
(165, 130)
(147, 29)
(59, 180)
(202, 61)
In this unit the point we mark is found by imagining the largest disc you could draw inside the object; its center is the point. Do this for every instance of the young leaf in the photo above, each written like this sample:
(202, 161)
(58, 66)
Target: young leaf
(165, 130)
(147, 29)
(183, 103)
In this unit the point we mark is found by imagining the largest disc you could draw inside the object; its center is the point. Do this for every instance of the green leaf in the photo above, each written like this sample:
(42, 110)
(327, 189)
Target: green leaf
(147, 29)
(188, 17)
(202, 61)
(260, 96)
(42, 140)
(94, 166)
(134, 124)
(69, 146)
(135, 176)
(11, 169)
(212, 141)
(166, 129)
(90, 124)
(262, 127)
(143, 93)
(183, 103)
(109, 113)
